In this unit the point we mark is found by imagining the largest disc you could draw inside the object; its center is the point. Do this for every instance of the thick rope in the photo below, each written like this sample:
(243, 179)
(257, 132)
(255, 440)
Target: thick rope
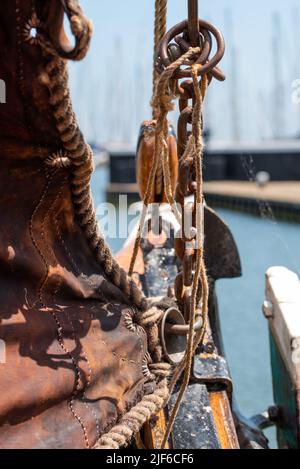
(121, 434)
(81, 29)
(81, 157)
(160, 29)
(164, 98)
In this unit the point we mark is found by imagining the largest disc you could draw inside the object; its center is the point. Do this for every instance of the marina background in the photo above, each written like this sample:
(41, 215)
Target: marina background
(112, 86)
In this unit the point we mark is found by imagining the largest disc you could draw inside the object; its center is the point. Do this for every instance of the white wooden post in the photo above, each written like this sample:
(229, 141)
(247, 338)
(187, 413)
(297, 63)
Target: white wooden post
(282, 309)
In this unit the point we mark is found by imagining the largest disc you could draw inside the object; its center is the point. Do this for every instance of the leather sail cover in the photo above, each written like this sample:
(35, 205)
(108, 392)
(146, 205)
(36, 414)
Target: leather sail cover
(71, 361)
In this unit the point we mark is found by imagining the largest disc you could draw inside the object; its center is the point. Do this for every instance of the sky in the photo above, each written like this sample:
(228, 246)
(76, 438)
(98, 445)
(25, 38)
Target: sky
(111, 88)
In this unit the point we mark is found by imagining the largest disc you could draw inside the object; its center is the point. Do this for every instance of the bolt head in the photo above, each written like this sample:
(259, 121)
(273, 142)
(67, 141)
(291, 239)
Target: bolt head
(209, 347)
(268, 309)
(273, 412)
(174, 52)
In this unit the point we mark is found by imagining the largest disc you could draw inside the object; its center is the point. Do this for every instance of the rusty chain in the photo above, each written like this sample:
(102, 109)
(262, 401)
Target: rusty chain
(177, 41)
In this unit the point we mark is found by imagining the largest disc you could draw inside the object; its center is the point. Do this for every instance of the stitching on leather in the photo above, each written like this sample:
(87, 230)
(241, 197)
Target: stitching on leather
(31, 223)
(145, 369)
(60, 329)
(89, 379)
(130, 324)
(121, 359)
(90, 374)
(77, 371)
(49, 177)
(75, 266)
(54, 315)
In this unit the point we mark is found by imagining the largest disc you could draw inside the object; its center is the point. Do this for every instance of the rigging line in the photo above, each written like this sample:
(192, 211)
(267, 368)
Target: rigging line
(160, 29)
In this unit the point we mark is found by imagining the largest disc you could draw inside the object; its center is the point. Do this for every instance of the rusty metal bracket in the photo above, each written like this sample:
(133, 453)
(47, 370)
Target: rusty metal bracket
(208, 64)
(212, 369)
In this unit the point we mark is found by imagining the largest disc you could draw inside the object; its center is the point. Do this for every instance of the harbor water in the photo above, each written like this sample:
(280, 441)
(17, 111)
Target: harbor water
(262, 242)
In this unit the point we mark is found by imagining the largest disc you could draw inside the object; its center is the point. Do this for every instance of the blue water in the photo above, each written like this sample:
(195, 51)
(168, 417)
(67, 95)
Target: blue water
(262, 243)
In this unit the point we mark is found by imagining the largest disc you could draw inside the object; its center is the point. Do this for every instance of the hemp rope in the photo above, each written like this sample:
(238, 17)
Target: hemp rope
(160, 29)
(150, 405)
(132, 422)
(163, 101)
(81, 157)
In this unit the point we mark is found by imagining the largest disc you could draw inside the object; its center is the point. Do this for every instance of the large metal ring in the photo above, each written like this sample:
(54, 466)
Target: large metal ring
(203, 59)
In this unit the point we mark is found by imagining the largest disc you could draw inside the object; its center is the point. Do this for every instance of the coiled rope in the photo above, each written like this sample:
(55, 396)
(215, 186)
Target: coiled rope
(163, 102)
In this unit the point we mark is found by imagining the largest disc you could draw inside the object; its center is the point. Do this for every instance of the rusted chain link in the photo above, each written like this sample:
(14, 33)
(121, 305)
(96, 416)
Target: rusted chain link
(179, 33)
(194, 279)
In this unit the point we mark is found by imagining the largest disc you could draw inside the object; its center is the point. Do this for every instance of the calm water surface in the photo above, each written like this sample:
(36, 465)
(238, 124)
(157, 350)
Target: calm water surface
(262, 243)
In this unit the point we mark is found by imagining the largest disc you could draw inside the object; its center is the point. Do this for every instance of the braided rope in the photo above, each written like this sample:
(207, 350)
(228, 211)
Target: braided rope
(130, 424)
(80, 154)
(160, 29)
(150, 322)
(81, 29)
